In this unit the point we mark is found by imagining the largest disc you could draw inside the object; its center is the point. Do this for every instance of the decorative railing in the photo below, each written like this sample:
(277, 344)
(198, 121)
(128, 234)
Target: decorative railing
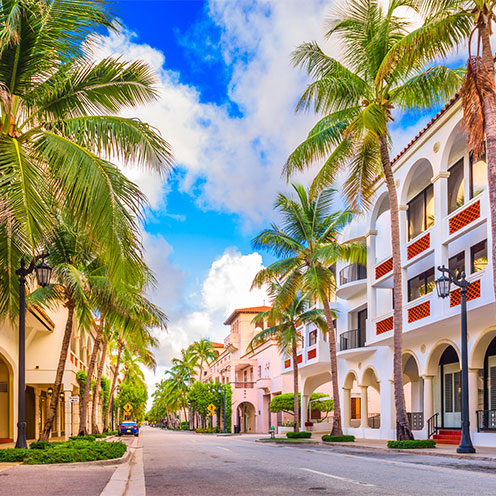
(416, 420)
(384, 268)
(486, 420)
(418, 246)
(311, 354)
(244, 385)
(352, 273)
(374, 420)
(465, 217)
(432, 425)
(419, 311)
(384, 325)
(473, 292)
(352, 339)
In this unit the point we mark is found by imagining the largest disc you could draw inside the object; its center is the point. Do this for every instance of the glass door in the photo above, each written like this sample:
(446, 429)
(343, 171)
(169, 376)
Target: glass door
(452, 395)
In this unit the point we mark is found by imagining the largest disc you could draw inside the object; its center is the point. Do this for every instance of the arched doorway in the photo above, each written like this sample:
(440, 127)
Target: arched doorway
(6, 428)
(486, 407)
(413, 386)
(351, 401)
(371, 400)
(246, 417)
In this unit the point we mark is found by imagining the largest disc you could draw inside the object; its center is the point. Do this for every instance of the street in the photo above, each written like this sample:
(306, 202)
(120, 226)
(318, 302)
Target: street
(183, 463)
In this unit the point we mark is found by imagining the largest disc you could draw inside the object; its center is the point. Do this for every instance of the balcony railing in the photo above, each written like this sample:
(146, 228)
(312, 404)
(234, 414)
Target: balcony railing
(244, 385)
(416, 420)
(374, 420)
(352, 273)
(352, 339)
(486, 420)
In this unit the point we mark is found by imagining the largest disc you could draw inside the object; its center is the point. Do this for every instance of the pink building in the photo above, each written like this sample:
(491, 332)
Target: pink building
(254, 375)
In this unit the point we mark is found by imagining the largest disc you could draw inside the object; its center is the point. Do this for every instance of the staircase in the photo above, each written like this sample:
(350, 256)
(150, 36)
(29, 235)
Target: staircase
(446, 436)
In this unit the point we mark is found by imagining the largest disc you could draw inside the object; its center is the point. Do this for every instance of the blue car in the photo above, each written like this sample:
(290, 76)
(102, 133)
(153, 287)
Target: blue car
(128, 428)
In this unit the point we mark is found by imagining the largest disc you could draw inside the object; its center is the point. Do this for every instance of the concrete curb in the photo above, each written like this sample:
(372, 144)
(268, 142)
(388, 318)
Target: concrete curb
(292, 442)
(412, 451)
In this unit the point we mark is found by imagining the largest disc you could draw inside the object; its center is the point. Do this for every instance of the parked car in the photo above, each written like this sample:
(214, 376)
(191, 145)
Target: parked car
(128, 428)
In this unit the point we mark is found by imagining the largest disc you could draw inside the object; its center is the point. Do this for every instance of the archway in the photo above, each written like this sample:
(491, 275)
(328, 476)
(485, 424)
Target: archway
(370, 400)
(413, 386)
(351, 401)
(6, 404)
(246, 417)
(320, 383)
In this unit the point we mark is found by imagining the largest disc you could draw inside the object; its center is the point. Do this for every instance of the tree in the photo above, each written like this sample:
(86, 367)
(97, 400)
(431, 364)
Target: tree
(357, 98)
(285, 403)
(59, 127)
(308, 245)
(284, 321)
(205, 352)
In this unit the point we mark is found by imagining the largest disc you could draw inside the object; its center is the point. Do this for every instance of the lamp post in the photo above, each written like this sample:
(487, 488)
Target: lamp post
(443, 286)
(43, 274)
(219, 390)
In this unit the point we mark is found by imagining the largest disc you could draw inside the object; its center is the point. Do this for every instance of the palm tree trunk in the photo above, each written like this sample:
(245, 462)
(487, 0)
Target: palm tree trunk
(94, 425)
(83, 423)
(296, 404)
(66, 341)
(490, 129)
(201, 370)
(112, 389)
(403, 430)
(337, 427)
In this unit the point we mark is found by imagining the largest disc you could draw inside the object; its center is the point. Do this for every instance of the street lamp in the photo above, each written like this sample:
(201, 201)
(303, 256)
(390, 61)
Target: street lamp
(43, 273)
(219, 390)
(443, 287)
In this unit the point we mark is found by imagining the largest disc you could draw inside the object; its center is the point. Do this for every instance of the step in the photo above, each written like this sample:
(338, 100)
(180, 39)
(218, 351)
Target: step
(455, 442)
(450, 432)
(447, 438)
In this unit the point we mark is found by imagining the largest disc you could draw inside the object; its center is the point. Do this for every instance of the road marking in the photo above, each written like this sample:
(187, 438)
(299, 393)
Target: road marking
(344, 479)
(225, 449)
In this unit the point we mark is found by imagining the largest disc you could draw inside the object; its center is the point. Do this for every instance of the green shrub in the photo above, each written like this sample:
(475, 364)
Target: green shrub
(299, 435)
(412, 444)
(89, 437)
(13, 454)
(40, 445)
(103, 435)
(112, 433)
(338, 439)
(213, 430)
(184, 426)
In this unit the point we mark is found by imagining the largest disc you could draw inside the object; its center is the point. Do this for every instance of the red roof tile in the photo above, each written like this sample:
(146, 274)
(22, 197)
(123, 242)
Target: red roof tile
(245, 310)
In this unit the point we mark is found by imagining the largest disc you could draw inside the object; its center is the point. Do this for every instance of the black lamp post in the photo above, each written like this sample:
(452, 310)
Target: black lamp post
(219, 390)
(43, 274)
(443, 286)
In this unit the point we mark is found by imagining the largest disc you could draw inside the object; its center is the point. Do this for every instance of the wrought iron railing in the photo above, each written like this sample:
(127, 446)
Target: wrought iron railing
(432, 425)
(486, 420)
(352, 273)
(374, 420)
(352, 339)
(416, 420)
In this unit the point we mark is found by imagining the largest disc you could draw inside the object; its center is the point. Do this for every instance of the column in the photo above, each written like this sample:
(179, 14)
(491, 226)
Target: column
(428, 399)
(346, 407)
(364, 407)
(388, 411)
(473, 397)
(304, 411)
(371, 261)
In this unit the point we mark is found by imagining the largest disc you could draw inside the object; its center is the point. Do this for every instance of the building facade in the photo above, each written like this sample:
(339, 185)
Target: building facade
(44, 333)
(444, 220)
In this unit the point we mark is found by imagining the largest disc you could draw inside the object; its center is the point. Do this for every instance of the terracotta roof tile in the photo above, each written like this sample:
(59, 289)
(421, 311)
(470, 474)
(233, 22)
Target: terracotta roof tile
(246, 310)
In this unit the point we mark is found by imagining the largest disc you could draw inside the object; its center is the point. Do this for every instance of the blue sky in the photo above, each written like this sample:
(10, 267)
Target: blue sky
(227, 97)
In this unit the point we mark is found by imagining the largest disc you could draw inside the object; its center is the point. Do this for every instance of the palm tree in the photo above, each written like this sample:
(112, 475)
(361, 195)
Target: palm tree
(105, 341)
(205, 352)
(357, 98)
(308, 245)
(60, 129)
(284, 322)
(72, 264)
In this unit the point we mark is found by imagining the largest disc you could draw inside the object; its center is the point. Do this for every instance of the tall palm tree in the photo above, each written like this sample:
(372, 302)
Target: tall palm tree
(357, 98)
(60, 129)
(283, 322)
(73, 270)
(308, 244)
(101, 364)
(205, 352)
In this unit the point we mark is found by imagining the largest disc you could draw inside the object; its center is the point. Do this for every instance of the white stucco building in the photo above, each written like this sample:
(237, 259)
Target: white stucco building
(444, 220)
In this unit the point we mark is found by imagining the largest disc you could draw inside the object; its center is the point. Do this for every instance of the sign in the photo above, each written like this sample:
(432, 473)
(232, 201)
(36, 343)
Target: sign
(74, 399)
(211, 409)
(128, 408)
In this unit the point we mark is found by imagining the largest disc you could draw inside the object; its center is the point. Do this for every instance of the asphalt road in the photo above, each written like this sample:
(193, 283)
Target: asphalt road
(177, 463)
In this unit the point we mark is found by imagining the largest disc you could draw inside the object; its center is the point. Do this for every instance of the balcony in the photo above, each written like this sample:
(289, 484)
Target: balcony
(352, 339)
(352, 280)
(310, 359)
(466, 217)
(264, 383)
(243, 385)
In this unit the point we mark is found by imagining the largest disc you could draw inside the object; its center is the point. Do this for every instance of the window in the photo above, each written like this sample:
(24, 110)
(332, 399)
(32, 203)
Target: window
(259, 371)
(478, 256)
(478, 176)
(456, 186)
(312, 337)
(421, 285)
(457, 263)
(421, 212)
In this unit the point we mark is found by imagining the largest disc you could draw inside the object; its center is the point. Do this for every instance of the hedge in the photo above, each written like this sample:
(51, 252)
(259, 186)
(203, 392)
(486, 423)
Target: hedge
(212, 430)
(65, 452)
(89, 437)
(412, 444)
(298, 435)
(338, 439)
